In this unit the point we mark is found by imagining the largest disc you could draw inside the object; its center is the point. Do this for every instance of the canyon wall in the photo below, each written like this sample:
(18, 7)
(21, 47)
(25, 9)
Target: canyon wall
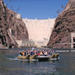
(12, 28)
(64, 29)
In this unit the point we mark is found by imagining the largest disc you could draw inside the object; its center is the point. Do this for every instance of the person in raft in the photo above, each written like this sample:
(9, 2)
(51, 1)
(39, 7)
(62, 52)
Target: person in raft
(22, 53)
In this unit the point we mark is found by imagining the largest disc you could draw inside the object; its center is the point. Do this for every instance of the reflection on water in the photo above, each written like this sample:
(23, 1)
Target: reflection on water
(9, 65)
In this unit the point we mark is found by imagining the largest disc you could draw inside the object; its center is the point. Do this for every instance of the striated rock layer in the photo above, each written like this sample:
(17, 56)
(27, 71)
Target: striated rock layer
(64, 26)
(12, 28)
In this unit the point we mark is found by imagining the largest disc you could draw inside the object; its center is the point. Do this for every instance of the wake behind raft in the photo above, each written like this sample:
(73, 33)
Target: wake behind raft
(38, 55)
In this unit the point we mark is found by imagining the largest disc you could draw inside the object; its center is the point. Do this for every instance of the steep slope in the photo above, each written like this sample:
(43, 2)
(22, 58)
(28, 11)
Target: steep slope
(64, 26)
(12, 28)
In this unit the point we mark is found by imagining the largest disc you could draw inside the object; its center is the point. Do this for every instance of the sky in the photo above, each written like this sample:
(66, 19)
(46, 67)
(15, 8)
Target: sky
(39, 9)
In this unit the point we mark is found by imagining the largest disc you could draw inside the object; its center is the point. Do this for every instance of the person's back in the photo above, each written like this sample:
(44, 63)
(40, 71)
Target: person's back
(32, 53)
(45, 53)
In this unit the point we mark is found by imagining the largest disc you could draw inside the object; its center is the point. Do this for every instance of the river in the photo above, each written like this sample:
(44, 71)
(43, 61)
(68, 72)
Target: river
(9, 65)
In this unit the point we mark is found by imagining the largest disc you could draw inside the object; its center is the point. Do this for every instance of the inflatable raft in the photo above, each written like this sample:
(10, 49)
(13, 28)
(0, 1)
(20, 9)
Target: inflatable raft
(40, 58)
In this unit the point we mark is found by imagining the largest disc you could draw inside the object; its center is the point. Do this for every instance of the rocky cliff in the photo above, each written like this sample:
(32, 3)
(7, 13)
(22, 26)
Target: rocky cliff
(12, 28)
(64, 26)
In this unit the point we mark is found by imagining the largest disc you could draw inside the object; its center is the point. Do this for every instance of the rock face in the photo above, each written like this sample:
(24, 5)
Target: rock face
(64, 27)
(12, 28)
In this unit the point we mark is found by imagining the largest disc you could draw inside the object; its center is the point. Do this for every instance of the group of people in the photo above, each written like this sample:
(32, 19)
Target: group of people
(36, 52)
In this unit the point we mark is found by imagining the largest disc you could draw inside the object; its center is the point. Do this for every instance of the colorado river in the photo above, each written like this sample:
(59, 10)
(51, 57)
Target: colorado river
(9, 65)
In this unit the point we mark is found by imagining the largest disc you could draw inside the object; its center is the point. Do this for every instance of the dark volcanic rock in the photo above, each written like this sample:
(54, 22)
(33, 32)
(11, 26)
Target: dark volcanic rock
(12, 27)
(64, 26)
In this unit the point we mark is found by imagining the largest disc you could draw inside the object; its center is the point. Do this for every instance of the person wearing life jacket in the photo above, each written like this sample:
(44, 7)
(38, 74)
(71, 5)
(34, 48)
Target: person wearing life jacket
(22, 53)
(31, 53)
(45, 53)
(38, 53)
(41, 53)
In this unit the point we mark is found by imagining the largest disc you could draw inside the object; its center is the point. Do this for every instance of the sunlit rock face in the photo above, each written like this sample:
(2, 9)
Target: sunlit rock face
(12, 28)
(64, 29)
(70, 4)
(39, 30)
